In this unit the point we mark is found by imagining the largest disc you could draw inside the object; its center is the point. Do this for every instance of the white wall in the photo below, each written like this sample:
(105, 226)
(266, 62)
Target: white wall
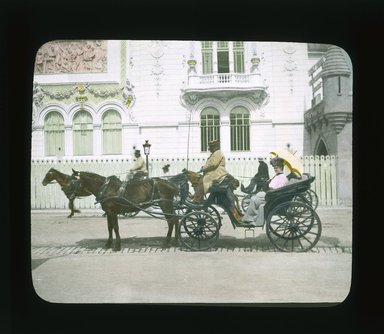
(157, 69)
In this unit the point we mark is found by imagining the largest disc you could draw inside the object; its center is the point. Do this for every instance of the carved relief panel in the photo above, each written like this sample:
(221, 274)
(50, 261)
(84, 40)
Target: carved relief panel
(76, 56)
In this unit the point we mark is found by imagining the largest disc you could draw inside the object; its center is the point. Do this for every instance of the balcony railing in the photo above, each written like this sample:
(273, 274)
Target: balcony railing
(225, 80)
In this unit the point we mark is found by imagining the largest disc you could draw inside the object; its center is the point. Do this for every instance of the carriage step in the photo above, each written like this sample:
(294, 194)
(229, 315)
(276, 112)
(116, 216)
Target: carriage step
(245, 224)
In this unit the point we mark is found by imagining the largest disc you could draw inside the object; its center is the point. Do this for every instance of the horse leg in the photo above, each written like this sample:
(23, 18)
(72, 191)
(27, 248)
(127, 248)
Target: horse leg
(110, 227)
(71, 206)
(173, 222)
(117, 247)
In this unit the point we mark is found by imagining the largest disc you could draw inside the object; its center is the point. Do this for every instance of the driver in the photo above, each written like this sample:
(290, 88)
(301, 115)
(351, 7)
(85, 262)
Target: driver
(213, 170)
(138, 170)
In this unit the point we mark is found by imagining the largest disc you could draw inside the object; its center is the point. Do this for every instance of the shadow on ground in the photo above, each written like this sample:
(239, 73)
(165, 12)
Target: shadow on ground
(158, 242)
(38, 262)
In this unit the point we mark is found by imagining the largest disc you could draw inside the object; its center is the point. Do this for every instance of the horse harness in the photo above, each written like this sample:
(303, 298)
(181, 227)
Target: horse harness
(121, 193)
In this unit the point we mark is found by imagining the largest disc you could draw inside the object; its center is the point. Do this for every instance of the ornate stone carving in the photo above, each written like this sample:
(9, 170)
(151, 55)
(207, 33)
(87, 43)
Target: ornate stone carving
(103, 93)
(38, 97)
(290, 65)
(129, 97)
(157, 51)
(191, 66)
(72, 57)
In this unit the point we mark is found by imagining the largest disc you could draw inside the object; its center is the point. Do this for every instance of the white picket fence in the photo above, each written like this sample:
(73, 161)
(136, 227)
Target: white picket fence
(242, 168)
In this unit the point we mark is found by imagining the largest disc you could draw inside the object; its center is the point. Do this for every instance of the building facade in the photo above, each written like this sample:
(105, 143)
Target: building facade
(96, 98)
(328, 123)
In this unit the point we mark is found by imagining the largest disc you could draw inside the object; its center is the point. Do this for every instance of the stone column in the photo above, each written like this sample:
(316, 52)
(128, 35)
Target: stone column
(225, 135)
(68, 141)
(97, 140)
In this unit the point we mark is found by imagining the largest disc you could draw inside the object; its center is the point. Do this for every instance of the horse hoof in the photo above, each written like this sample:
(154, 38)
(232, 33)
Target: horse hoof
(116, 249)
(70, 216)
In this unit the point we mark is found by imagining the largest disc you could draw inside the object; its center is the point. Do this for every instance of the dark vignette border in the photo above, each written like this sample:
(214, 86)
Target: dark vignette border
(356, 26)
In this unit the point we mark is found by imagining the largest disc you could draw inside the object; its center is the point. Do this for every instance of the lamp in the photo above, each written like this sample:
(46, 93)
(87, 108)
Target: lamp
(147, 149)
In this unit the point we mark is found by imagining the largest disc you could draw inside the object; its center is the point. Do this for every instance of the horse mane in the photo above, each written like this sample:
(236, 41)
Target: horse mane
(113, 179)
(94, 175)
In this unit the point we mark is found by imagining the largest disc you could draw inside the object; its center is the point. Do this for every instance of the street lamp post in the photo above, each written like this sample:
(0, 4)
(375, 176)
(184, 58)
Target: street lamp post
(147, 149)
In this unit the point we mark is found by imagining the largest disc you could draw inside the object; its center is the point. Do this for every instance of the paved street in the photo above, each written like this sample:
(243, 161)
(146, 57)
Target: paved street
(70, 264)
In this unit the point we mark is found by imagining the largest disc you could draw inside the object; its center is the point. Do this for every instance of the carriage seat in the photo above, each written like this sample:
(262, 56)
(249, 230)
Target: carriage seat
(292, 188)
(229, 182)
(286, 193)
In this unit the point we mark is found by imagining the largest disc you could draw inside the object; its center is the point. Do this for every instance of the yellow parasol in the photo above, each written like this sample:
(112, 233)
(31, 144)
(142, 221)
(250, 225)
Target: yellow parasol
(290, 160)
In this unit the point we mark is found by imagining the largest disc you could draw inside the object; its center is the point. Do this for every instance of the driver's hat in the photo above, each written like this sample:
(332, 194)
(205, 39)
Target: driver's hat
(214, 144)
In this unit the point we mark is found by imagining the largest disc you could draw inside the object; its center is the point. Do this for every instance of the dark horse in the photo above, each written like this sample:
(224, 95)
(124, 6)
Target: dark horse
(118, 197)
(69, 185)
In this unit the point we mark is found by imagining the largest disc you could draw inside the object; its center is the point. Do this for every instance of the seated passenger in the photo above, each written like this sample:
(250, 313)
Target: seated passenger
(279, 180)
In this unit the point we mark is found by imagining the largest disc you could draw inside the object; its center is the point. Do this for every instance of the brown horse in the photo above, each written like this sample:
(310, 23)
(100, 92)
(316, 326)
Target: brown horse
(69, 185)
(117, 197)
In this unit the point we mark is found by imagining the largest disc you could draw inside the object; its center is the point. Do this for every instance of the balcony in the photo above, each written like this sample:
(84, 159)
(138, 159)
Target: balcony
(224, 86)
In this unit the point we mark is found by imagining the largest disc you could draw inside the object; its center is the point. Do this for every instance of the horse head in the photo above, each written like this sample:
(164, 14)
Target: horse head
(49, 177)
(193, 177)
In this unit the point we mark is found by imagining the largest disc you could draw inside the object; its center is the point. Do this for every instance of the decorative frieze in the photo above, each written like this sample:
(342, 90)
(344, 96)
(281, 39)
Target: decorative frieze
(75, 56)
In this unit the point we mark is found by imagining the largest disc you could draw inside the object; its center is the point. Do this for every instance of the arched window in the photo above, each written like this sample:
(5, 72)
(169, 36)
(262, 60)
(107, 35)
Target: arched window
(209, 126)
(82, 133)
(54, 134)
(239, 123)
(321, 149)
(111, 132)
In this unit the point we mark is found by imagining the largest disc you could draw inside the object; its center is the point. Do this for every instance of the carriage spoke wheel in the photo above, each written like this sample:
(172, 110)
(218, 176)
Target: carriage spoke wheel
(308, 197)
(293, 227)
(314, 198)
(181, 210)
(198, 230)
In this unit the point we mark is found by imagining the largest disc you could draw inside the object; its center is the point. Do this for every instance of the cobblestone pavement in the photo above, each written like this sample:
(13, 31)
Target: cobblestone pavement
(55, 251)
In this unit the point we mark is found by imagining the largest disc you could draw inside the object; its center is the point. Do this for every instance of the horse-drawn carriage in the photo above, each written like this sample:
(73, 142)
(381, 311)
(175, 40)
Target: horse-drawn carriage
(291, 223)
(288, 216)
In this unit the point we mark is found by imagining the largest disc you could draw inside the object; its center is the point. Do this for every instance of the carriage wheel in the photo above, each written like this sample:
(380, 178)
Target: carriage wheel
(181, 210)
(314, 198)
(198, 230)
(293, 227)
(308, 197)
(245, 202)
